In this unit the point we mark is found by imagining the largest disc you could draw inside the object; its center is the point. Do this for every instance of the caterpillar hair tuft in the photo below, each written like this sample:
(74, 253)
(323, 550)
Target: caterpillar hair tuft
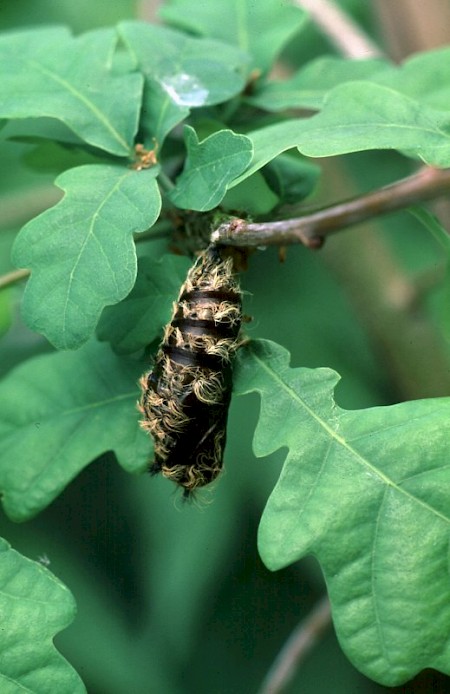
(186, 396)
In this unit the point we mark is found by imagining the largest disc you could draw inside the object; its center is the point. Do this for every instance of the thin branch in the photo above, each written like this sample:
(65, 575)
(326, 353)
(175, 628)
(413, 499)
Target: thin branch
(310, 229)
(349, 39)
(13, 277)
(300, 642)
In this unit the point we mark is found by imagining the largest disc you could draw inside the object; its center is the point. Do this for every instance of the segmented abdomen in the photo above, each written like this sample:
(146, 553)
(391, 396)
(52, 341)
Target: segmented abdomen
(185, 398)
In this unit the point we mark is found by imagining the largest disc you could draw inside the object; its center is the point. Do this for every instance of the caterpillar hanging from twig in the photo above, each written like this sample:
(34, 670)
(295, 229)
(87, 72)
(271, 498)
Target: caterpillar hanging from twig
(185, 398)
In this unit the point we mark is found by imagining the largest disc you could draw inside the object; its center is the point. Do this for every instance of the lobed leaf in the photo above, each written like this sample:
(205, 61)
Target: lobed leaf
(254, 196)
(81, 252)
(60, 411)
(137, 321)
(366, 492)
(358, 116)
(47, 73)
(308, 87)
(34, 606)
(259, 28)
(292, 178)
(209, 168)
(180, 73)
(270, 141)
(423, 76)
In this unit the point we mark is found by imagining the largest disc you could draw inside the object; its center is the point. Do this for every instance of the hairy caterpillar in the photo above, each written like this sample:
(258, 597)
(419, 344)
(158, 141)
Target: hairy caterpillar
(185, 398)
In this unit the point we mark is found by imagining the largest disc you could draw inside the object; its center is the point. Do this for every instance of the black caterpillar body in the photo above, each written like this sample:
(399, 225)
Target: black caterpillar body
(185, 398)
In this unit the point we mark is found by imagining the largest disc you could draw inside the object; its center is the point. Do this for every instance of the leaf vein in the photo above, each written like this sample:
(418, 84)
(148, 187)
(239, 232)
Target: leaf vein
(344, 443)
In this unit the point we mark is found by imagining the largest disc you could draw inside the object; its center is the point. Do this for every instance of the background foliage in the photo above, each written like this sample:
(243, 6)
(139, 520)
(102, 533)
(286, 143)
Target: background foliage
(177, 599)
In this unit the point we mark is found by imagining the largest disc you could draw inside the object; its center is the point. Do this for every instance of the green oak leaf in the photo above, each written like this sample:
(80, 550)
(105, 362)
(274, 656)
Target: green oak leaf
(259, 28)
(47, 73)
(292, 178)
(308, 87)
(210, 166)
(269, 142)
(252, 197)
(60, 411)
(357, 116)
(423, 76)
(34, 606)
(81, 252)
(137, 321)
(368, 493)
(181, 72)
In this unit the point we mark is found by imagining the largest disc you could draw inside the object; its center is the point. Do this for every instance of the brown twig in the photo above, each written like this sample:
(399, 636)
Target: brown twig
(12, 277)
(349, 39)
(300, 642)
(310, 229)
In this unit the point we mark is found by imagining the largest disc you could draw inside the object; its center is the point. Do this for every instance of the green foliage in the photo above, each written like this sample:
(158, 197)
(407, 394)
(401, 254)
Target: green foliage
(362, 490)
(35, 606)
(210, 166)
(291, 177)
(136, 322)
(43, 75)
(365, 492)
(262, 29)
(180, 73)
(423, 76)
(58, 413)
(94, 224)
(358, 116)
(309, 86)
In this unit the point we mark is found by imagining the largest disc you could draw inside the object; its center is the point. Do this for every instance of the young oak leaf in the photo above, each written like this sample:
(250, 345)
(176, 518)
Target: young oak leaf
(60, 411)
(47, 73)
(422, 76)
(34, 606)
(357, 116)
(81, 252)
(368, 493)
(308, 87)
(210, 167)
(181, 72)
(260, 28)
(136, 321)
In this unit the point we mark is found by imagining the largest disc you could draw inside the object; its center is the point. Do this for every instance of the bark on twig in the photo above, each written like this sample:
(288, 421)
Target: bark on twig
(13, 277)
(300, 642)
(310, 229)
(349, 39)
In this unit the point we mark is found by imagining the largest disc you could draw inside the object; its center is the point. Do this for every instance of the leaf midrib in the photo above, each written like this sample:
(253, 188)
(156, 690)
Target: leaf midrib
(84, 100)
(58, 414)
(341, 441)
(90, 234)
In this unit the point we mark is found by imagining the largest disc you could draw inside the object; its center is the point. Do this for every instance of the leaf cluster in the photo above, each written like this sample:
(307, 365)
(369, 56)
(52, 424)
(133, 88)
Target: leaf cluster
(152, 128)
